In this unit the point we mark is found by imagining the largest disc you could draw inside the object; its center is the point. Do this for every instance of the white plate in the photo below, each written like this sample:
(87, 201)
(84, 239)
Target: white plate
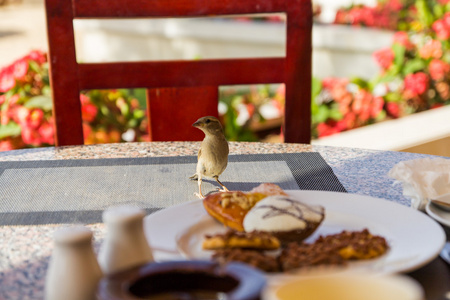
(414, 238)
(440, 215)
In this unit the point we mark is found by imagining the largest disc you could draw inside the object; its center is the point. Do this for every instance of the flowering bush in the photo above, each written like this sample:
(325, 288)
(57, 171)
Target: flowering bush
(414, 71)
(387, 14)
(414, 76)
(26, 109)
(243, 111)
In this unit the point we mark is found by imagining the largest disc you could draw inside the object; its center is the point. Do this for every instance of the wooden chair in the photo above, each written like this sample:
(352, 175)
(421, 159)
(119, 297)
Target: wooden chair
(179, 92)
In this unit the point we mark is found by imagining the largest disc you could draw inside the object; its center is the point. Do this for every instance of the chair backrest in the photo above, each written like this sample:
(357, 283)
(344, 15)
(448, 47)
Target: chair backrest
(179, 92)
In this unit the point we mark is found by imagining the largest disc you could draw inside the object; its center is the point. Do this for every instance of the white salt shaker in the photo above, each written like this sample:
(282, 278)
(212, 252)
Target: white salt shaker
(125, 245)
(73, 272)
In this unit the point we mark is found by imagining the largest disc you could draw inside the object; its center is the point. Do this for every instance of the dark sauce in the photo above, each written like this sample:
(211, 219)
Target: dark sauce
(293, 210)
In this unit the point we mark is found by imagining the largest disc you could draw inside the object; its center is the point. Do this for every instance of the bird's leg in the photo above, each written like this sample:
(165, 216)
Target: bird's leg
(199, 194)
(224, 188)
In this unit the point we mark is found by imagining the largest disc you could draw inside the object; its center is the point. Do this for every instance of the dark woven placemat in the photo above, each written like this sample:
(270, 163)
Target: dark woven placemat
(77, 191)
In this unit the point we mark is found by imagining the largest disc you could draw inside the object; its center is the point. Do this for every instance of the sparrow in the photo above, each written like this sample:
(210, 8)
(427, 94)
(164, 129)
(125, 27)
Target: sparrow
(213, 154)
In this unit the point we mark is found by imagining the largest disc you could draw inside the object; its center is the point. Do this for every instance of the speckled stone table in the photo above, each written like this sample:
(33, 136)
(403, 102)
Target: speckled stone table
(25, 250)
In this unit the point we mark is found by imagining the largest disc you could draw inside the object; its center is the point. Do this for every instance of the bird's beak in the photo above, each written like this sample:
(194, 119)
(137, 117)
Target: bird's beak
(197, 124)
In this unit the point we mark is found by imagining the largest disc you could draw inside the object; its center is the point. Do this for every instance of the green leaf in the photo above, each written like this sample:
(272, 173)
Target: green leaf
(393, 97)
(424, 13)
(316, 87)
(322, 114)
(10, 129)
(360, 82)
(42, 102)
(381, 116)
(138, 114)
(335, 114)
(34, 66)
(399, 54)
(438, 11)
(413, 65)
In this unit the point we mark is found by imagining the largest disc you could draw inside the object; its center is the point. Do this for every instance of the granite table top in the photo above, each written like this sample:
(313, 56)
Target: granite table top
(26, 250)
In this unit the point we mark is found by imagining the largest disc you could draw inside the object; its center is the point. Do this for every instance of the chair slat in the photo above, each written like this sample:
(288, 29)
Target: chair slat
(181, 73)
(179, 8)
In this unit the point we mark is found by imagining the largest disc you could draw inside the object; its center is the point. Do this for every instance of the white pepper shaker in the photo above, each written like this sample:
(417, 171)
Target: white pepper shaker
(125, 245)
(73, 272)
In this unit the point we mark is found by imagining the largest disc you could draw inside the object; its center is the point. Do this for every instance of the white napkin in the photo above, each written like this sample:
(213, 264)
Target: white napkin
(423, 179)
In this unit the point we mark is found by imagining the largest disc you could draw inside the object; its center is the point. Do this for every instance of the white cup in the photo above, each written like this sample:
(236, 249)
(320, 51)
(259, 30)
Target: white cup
(346, 287)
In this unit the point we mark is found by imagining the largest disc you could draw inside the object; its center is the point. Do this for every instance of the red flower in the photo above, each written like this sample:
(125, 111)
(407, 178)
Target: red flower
(20, 68)
(30, 136)
(402, 38)
(376, 107)
(393, 109)
(84, 99)
(417, 83)
(4, 116)
(7, 80)
(47, 133)
(21, 114)
(341, 17)
(437, 105)
(332, 82)
(328, 128)
(6, 145)
(394, 5)
(438, 69)
(88, 112)
(441, 29)
(431, 49)
(347, 122)
(35, 118)
(446, 19)
(384, 57)
(37, 56)
(87, 130)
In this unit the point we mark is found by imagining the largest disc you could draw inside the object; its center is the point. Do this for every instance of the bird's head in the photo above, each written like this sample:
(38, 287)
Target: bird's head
(208, 125)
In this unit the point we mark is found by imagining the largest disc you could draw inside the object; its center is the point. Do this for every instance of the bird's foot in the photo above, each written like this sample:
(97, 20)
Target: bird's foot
(224, 189)
(194, 177)
(199, 195)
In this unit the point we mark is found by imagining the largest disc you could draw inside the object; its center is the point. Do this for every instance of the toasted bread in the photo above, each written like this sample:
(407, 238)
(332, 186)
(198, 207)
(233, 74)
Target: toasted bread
(231, 207)
(245, 240)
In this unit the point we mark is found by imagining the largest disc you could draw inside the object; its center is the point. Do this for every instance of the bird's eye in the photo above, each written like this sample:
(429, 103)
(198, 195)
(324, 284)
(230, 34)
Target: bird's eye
(208, 121)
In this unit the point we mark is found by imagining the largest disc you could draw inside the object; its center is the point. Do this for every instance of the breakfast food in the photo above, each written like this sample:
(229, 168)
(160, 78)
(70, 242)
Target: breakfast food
(245, 240)
(331, 250)
(231, 207)
(287, 219)
(254, 258)
(266, 218)
(357, 244)
(335, 249)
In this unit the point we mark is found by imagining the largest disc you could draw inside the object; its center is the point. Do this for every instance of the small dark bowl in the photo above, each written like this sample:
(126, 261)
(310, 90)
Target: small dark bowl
(184, 280)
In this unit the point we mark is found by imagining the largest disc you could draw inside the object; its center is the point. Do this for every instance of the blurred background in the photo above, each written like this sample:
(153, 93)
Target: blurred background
(381, 74)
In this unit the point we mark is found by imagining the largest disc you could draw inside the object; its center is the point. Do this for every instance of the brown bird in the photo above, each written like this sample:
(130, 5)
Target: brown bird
(213, 153)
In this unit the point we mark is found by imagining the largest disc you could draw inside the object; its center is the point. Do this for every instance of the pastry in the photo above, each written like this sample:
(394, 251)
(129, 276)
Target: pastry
(287, 219)
(231, 207)
(236, 239)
